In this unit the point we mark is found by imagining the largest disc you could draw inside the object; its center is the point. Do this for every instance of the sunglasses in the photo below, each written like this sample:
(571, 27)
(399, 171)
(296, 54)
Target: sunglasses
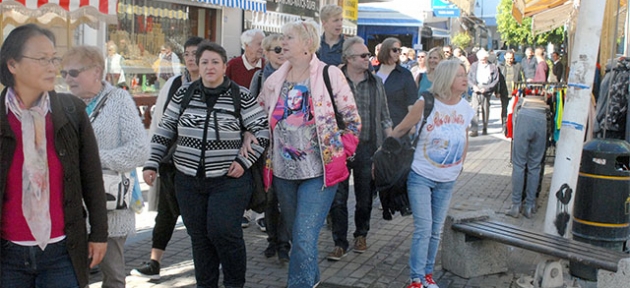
(396, 50)
(276, 49)
(364, 55)
(74, 73)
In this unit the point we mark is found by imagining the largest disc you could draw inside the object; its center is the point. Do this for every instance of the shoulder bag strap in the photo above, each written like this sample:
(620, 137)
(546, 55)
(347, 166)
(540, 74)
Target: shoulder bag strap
(338, 117)
(99, 106)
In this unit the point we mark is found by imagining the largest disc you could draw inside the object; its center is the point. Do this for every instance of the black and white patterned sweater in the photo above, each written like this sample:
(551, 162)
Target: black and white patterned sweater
(188, 128)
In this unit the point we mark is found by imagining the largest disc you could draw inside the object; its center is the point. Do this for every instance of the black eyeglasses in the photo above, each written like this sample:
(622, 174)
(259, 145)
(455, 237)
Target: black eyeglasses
(74, 73)
(396, 50)
(45, 61)
(276, 50)
(364, 55)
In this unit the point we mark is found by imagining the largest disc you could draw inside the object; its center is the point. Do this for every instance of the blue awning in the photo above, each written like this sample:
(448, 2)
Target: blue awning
(379, 16)
(253, 5)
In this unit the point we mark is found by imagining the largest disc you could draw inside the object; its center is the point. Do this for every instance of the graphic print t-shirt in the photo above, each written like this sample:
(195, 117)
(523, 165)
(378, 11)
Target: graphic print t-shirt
(442, 142)
(296, 148)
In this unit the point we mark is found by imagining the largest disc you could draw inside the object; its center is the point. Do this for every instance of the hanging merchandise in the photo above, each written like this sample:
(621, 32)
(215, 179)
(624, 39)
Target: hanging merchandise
(558, 115)
(612, 105)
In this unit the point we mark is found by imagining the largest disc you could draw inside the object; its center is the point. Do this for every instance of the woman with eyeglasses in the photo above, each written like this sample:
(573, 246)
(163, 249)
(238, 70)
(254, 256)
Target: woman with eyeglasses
(400, 88)
(48, 171)
(307, 156)
(123, 143)
(438, 161)
(425, 80)
(278, 235)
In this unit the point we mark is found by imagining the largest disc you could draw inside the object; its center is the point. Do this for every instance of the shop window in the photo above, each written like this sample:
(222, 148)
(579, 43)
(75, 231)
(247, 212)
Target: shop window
(137, 58)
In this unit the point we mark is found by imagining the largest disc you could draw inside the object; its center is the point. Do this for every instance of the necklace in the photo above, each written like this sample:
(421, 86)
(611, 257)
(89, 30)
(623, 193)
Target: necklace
(299, 77)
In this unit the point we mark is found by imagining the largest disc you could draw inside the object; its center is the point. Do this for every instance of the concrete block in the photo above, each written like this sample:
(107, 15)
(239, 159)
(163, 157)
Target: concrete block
(620, 279)
(473, 258)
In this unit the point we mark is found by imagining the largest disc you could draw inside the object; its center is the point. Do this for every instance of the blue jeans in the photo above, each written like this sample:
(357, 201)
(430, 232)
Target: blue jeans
(29, 266)
(530, 140)
(363, 191)
(429, 202)
(212, 209)
(304, 205)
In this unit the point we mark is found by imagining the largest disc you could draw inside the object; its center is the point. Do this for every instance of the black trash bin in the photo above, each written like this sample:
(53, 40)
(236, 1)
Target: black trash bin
(602, 199)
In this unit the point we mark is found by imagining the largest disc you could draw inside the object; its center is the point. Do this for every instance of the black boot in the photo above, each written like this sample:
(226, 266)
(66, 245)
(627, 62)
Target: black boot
(504, 125)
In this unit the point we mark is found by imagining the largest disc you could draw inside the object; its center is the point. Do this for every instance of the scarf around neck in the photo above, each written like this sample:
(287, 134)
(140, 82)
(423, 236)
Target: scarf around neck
(35, 176)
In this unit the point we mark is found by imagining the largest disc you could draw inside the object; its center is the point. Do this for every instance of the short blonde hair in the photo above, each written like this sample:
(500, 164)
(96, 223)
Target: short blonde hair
(308, 31)
(443, 78)
(329, 11)
(86, 55)
(270, 39)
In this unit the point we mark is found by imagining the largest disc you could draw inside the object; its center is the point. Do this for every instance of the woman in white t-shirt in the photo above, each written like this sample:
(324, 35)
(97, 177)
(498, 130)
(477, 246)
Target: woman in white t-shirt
(438, 161)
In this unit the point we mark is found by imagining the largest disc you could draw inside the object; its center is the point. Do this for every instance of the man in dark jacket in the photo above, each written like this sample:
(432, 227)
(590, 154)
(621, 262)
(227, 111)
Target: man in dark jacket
(371, 101)
(513, 73)
(558, 68)
(529, 64)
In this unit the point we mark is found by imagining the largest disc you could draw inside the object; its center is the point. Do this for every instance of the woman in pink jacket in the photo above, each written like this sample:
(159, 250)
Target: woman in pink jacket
(308, 152)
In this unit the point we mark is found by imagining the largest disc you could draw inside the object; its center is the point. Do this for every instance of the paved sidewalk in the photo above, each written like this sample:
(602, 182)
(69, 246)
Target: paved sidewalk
(484, 184)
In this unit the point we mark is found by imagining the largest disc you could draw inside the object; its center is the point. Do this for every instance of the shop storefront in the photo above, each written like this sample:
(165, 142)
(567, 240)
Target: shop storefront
(280, 12)
(377, 23)
(148, 30)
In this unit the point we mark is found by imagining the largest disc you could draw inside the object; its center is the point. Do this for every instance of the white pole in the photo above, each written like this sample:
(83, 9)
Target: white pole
(569, 148)
(626, 45)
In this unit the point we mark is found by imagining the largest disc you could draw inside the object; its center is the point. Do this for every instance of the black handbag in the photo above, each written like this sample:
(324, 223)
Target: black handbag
(392, 164)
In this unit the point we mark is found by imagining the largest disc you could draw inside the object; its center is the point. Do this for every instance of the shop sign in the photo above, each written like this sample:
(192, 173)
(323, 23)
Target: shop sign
(444, 8)
(305, 8)
(351, 10)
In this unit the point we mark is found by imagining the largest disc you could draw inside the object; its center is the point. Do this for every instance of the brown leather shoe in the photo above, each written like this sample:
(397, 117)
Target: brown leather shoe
(360, 245)
(337, 254)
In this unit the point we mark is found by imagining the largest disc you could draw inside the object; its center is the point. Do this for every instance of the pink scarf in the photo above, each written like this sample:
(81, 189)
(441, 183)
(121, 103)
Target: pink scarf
(35, 183)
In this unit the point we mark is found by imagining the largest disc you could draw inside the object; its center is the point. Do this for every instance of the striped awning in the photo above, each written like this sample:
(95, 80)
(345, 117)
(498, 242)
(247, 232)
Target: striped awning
(103, 6)
(58, 12)
(253, 5)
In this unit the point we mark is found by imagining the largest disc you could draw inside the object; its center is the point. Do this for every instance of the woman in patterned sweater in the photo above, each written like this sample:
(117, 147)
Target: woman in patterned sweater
(122, 142)
(213, 182)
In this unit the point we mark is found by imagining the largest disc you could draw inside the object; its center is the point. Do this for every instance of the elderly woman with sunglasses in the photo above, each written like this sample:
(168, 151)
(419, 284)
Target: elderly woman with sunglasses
(123, 143)
(400, 88)
(278, 235)
(48, 171)
(308, 150)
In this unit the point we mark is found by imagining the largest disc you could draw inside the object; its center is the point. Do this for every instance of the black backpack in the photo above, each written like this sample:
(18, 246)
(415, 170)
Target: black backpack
(392, 164)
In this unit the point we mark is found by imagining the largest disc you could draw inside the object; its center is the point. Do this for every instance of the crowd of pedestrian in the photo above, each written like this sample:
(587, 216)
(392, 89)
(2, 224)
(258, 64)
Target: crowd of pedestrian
(315, 106)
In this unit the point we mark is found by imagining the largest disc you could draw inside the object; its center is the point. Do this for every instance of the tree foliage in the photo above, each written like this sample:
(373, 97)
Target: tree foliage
(462, 40)
(515, 34)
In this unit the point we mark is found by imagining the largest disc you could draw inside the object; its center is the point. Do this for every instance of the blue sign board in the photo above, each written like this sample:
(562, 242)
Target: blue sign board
(444, 8)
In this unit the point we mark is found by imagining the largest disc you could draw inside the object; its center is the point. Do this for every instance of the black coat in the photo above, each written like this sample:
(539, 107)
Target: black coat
(82, 182)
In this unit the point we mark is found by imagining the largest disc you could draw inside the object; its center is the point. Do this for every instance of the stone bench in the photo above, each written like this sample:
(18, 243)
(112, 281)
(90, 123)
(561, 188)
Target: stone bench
(467, 253)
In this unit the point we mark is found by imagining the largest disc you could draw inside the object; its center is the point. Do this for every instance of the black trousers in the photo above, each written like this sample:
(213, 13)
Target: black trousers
(167, 210)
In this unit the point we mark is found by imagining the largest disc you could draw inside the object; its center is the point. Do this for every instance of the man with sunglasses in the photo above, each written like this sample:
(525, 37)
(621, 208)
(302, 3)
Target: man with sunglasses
(371, 100)
(167, 206)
